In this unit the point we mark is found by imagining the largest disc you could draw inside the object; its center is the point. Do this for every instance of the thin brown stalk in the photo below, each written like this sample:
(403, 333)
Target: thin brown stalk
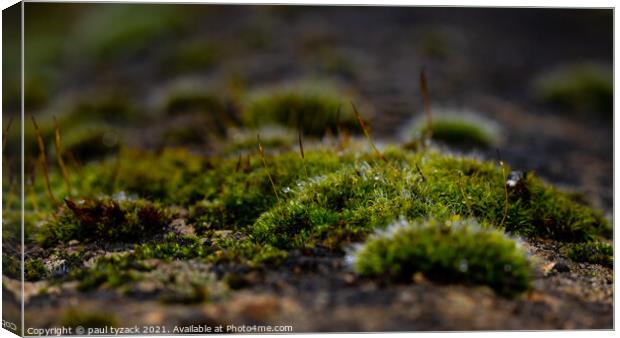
(420, 172)
(427, 104)
(61, 162)
(43, 160)
(367, 135)
(5, 133)
(238, 167)
(261, 151)
(301, 152)
(501, 164)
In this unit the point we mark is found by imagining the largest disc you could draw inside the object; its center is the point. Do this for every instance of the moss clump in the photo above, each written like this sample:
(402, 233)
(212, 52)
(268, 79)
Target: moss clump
(11, 266)
(106, 221)
(239, 189)
(177, 179)
(100, 34)
(312, 108)
(272, 138)
(592, 252)
(92, 320)
(349, 203)
(108, 109)
(192, 101)
(173, 247)
(578, 87)
(448, 251)
(458, 131)
(90, 142)
(110, 271)
(195, 55)
(35, 269)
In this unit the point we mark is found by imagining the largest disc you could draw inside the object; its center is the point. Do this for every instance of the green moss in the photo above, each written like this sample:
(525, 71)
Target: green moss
(313, 107)
(592, 252)
(579, 87)
(193, 101)
(88, 320)
(458, 131)
(348, 204)
(446, 251)
(108, 109)
(240, 188)
(35, 269)
(173, 247)
(171, 176)
(192, 56)
(125, 29)
(106, 221)
(272, 138)
(89, 142)
(11, 266)
(110, 271)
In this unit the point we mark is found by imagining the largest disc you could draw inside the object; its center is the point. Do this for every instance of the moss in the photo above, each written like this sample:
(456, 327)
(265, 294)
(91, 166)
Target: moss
(176, 180)
(105, 221)
(195, 55)
(11, 266)
(240, 189)
(112, 109)
(90, 142)
(35, 269)
(111, 271)
(578, 87)
(458, 131)
(272, 138)
(313, 107)
(348, 204)
(173, 247)
(446, 251)
(100, 34)
(592, 252)
(193, 101)
(88, 320)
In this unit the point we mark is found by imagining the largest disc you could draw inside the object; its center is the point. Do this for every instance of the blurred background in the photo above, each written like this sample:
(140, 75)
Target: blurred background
(537, 82)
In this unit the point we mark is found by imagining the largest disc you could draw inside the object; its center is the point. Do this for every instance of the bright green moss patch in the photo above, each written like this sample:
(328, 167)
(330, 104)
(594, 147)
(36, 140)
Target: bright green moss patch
(592, 252)
(349, 203)
(579, 87)
(458, 131)
(448, 251)
(312, 107)
(106, 221)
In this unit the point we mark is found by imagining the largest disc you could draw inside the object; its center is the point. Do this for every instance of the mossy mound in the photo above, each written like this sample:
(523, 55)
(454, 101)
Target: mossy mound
(457, 131)
(449, 251)
(90, 142)
(360, 197)
(578, 87)
(105, 220)
(592, 252)
(315, 108)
